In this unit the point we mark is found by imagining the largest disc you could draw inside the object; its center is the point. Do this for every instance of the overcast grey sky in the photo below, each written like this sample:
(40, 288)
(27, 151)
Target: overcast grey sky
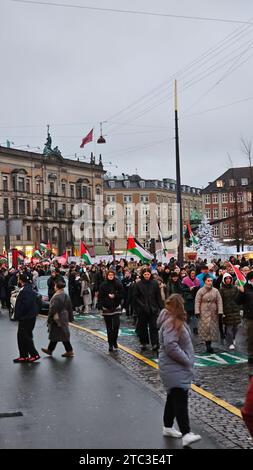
(74, 67)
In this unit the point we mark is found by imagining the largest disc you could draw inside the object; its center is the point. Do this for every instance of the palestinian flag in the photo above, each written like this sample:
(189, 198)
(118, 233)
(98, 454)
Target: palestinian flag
(190, 235)
(37, 254)
(135, 248)
(3, 259)
(21, 257)
(241, 280)
(63, 259)
(85, 254)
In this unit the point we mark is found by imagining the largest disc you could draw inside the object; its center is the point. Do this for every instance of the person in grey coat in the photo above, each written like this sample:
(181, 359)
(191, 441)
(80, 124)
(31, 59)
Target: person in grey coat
(176, 359)
(59, 315)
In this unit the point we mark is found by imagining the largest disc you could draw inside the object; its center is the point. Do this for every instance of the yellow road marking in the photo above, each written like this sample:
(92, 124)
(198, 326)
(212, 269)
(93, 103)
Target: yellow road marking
(194, 387)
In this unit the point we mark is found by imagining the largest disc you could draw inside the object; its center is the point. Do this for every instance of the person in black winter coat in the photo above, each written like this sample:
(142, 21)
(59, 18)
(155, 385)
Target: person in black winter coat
(148, 303)
(55, 276)
(245, 298)
(26, 310)
(109, 300)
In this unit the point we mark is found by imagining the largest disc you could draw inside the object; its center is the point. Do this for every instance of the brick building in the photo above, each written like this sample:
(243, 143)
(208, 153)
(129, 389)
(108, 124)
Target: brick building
(229, 197)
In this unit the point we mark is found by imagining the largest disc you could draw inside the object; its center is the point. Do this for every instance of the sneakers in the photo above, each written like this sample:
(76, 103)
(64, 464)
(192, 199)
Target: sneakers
(47, 351)
(232, 346)
(115, 345)
(110, 348)
(34, 358)
(68, 354)
(171, 432)
(21, 360)
(189, 438)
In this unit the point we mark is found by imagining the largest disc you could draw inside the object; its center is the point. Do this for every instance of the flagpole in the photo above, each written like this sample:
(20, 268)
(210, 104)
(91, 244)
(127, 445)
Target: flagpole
(180, 255)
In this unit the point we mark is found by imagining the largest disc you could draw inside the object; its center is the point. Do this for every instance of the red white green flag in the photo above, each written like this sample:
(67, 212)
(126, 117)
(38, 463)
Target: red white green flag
(85, 254)
(135, 248)
(192, 237)
(239, 275)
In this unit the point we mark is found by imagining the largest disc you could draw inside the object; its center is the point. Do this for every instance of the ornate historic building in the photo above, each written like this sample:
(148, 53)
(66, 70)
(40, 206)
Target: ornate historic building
(38, 193)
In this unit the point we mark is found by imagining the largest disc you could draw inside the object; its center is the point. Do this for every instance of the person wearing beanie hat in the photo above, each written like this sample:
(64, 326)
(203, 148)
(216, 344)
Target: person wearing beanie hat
(231, 310)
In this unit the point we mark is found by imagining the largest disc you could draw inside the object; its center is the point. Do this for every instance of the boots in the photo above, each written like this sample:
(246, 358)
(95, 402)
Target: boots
(209, 348)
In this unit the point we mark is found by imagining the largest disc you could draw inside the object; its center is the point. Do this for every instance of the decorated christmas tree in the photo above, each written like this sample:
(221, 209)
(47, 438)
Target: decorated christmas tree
(207, 246)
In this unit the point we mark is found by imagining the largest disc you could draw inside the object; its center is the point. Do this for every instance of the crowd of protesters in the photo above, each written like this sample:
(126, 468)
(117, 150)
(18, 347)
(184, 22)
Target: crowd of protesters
(213, 300)
(166, 303)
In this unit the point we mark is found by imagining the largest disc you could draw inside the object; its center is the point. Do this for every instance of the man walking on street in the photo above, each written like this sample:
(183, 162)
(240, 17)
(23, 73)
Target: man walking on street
(26, 309)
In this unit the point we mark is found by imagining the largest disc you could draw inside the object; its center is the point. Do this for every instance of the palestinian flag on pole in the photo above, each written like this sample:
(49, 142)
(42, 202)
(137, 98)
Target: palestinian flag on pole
(62, 259)
(85, 254)
(241, 280)
(194, 240)
(135, 248)
(3, 259)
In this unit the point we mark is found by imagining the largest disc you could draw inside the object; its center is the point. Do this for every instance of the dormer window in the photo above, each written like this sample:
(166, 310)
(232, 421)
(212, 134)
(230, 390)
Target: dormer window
(142, 184)
(112, 184)
(244, 181)
(219, 184)
(127, 184)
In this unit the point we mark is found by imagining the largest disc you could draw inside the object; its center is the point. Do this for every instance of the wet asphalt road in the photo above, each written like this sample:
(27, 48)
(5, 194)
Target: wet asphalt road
(88, 402)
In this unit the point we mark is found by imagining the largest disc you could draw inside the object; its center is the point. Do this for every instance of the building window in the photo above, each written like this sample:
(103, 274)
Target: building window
(145, 210)
(244, 181)
(142, 184)
(72, 191)
(225, 230)
(111, 198)
(224, 197)
(232, 197)
(51, 190)
(144, 198)
(112, 184)
(219, 184)
(145, 228)
(128, 228)
(21, 204)
(207, 198)
(215, 213)
(63, 189)
(28, 232)
(38, 208)
(128, 211)
(215, 198)
(112, 228)
(5, 183)
(239, 197)
(224, 212)
(231, 182)
(28, 186)
(18, 238)
(208, 213)
(232, 212)
(37, 187)
(21, 184)
(28, 208)
(215, 230)
(127, 198)
(232, 228)
(112, 211)
(64, 209)
(78, 191)
(71, 209)
(5, 208)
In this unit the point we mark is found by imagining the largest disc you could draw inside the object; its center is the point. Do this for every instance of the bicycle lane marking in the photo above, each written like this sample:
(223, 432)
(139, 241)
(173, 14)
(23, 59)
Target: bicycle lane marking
(232, 409)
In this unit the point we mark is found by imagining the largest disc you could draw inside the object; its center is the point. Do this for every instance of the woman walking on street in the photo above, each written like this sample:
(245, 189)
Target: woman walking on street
(209, 308)
(59, 315)
(176, 359)
(109, 301)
